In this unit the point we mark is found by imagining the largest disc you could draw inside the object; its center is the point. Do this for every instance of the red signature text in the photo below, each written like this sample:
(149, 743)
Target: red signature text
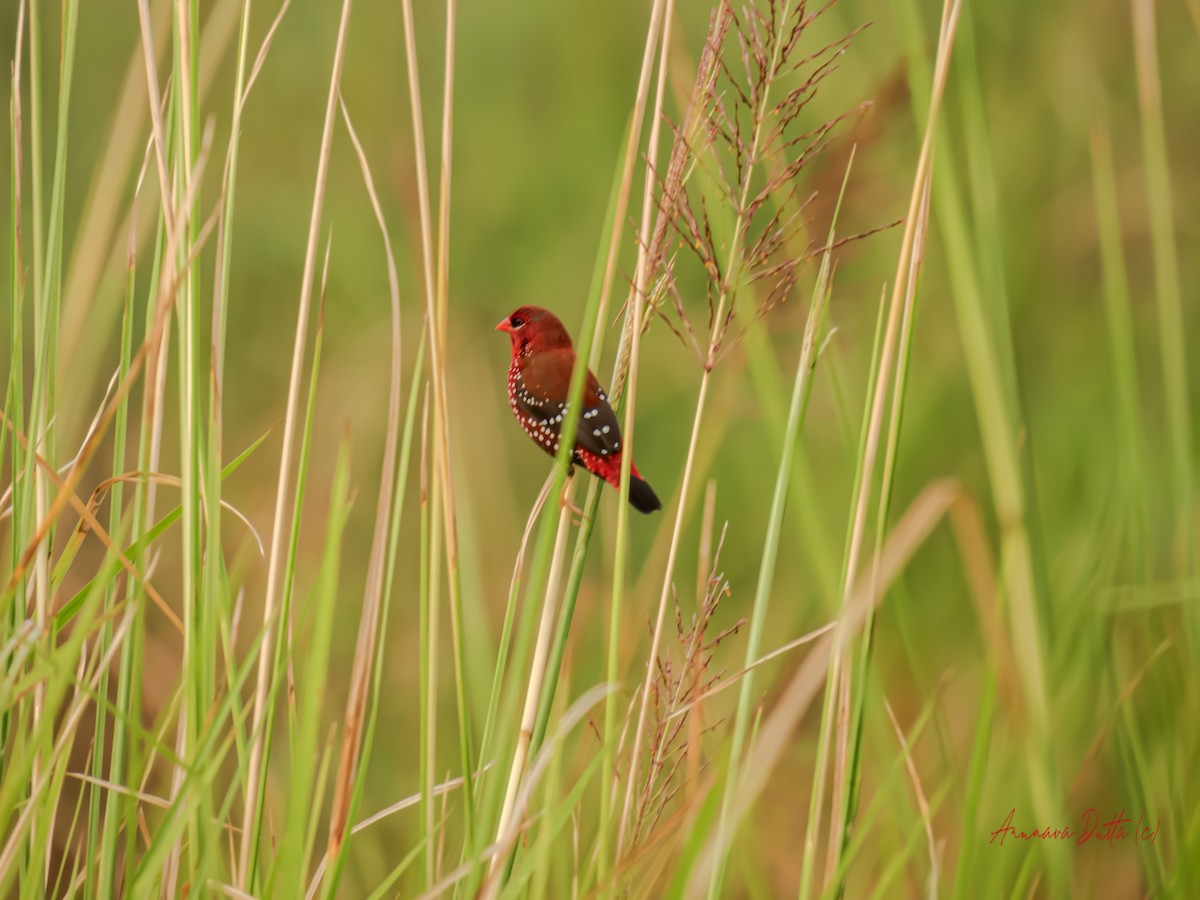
(1093, 828)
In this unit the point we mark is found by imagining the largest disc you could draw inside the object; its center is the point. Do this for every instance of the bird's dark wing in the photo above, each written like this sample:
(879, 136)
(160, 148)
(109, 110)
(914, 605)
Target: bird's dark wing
(540, 393)
(598, 431)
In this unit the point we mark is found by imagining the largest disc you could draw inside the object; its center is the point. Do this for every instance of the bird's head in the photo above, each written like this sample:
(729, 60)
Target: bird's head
(532, 329)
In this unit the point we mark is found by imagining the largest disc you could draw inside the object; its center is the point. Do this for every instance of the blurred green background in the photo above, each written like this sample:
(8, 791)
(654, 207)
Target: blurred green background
(542, 97)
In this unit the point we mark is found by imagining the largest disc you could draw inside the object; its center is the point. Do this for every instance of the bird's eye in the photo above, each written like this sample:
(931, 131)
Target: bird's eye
(516, 321)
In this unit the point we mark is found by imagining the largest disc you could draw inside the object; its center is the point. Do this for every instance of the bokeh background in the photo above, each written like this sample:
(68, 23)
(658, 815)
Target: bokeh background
(542, 97)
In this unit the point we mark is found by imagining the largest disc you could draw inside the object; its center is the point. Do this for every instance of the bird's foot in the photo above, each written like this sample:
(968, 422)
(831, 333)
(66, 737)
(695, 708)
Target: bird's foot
(564, 502)
(577, 515)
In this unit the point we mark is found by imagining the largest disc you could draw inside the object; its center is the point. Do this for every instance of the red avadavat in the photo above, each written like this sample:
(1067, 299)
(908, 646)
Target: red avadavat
(539, 379)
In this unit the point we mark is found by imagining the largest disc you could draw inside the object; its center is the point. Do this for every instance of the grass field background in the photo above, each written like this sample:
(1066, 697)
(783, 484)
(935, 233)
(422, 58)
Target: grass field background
(962, 428)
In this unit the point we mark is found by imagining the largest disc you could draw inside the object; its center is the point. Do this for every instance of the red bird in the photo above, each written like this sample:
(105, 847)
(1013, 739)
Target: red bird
(539, 379)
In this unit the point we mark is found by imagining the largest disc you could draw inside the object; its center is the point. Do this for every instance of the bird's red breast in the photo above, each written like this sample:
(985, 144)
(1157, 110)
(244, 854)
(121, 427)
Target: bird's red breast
(539, 381)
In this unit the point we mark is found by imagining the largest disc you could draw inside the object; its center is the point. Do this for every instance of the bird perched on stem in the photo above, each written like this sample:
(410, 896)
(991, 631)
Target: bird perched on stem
(539, 380)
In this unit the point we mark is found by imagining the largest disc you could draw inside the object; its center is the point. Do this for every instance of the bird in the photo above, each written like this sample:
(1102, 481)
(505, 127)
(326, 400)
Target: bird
(539, 380)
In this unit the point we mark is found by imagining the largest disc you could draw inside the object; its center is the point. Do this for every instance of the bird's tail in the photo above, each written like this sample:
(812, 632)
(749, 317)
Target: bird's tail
(642, 496)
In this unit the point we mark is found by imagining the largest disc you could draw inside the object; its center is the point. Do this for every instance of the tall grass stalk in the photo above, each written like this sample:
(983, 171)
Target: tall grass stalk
(427, 624)
(34, 501)
(1119, 318)
(286, 880)
(158, 313)
(756, 144)
(46, 310)
(835, 716)
(436, 300)
(1171, 320)
(102, 843)
(801, 391)
(16, 496)
(102, 831)
(506, 630)
(284, 635)
(986, 348)
(128, 679)
(852, 691)
(256, 766)
(586, 350)
(853, 688)
(633, 340)
(37, 182)
(196, 619)
(215, 588)
(533, 693)
(348, 786)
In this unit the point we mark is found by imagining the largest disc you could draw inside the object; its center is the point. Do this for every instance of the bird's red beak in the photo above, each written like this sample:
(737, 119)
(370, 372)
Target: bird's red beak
(504, 325)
